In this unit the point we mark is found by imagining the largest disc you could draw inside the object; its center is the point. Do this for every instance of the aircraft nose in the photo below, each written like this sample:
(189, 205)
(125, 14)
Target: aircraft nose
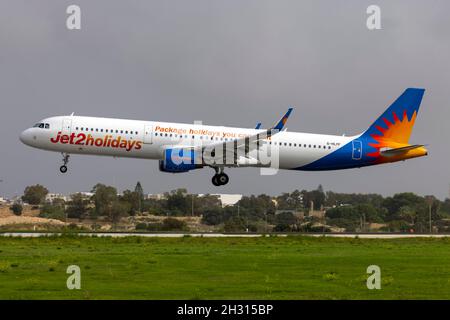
(25, 137)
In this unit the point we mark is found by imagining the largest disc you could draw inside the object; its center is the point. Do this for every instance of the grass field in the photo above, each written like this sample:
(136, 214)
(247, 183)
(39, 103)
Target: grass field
(223, 268)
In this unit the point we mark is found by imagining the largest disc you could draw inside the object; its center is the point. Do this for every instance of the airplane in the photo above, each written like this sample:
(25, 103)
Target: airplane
(184, 147)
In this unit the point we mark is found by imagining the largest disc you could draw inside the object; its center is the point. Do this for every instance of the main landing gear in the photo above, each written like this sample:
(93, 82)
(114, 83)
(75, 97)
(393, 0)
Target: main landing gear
(220, 178)
(63, 168)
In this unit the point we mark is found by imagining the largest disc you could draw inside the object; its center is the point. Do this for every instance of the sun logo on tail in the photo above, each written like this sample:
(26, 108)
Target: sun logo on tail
(395, 135)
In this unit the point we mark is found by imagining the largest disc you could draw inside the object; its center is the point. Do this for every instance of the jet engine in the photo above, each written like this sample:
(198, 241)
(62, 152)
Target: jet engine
(177, 160)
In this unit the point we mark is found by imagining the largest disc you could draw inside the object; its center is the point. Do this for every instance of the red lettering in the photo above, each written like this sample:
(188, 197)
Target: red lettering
(115, 143)
(106, 141)
(81, 137)
(98, 142)
(109, 141)
(138, 145)
(72, 136)
(123, 144)
(65, 139)
(130, 145)
(89, 140)
(56, 140)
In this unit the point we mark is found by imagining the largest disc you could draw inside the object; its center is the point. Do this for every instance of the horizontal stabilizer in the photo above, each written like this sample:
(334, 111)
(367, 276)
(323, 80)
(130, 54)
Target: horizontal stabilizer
(396, 151)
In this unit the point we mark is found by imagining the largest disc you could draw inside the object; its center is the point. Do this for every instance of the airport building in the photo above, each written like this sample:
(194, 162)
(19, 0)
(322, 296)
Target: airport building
(86, 195)
(156, 196)
(50, 197)
(228, 199)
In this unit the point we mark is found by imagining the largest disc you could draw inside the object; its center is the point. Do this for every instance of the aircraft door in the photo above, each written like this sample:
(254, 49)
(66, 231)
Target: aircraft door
(148, 134)
(356, 150)
(67, 126)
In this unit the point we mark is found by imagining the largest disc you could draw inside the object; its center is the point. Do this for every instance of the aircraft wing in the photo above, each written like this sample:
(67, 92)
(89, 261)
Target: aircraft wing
(249, 143)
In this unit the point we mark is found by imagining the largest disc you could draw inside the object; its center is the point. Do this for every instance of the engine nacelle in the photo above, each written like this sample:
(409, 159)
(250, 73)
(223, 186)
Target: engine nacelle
(177, 160)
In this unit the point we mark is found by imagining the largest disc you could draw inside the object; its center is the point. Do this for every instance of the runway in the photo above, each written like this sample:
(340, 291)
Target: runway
(224, 235)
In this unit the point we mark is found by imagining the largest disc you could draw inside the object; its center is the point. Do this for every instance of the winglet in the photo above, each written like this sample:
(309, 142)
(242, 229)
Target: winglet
(258, 125)
(280, 125)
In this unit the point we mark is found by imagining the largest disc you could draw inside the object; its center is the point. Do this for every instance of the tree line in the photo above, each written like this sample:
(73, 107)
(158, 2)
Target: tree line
(289, 211)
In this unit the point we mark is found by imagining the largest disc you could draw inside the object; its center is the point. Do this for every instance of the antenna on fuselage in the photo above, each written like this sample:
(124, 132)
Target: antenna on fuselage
(72, 114)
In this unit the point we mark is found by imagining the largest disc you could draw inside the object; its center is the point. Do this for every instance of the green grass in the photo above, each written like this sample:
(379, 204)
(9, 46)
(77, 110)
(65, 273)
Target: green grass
(223, 268)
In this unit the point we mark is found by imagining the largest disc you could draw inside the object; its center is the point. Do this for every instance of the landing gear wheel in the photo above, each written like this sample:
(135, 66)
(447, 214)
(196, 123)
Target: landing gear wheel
(215, 181)
(223, 179)
(220, 179)
(63, 168)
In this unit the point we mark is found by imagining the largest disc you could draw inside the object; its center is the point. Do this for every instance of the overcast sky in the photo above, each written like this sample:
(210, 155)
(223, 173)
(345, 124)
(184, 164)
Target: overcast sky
(226, 63)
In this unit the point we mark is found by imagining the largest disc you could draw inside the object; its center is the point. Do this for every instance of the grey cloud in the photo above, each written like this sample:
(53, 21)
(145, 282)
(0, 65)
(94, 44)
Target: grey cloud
(225, 63)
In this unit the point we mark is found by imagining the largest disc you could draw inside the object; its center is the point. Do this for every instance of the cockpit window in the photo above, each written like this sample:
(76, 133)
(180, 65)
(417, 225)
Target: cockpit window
(42, 125)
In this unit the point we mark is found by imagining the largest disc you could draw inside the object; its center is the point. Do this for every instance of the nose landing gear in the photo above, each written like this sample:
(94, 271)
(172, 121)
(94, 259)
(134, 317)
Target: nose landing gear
(63, 168)
(220, 178)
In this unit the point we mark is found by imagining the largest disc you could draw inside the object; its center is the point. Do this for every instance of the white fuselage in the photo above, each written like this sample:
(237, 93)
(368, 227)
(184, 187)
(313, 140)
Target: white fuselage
(149, 139)
(185, 147)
